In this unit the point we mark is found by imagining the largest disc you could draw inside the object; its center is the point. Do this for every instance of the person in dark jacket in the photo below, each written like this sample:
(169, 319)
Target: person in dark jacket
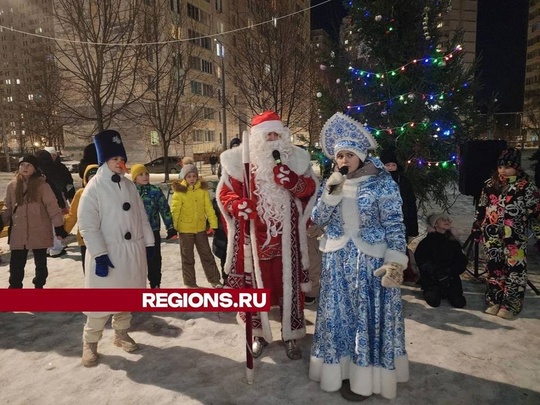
(46, 166)
(213, 163)
(406, 190)
(54, 179)
(65, 181)
(219, 243)
(410, 211)
(441, 261)
(89, 158)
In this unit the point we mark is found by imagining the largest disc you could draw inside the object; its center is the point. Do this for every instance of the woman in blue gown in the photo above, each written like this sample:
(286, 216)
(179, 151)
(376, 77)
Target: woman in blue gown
(359, 340)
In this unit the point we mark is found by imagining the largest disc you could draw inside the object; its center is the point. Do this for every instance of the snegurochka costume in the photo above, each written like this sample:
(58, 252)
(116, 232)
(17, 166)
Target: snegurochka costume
(359, 333)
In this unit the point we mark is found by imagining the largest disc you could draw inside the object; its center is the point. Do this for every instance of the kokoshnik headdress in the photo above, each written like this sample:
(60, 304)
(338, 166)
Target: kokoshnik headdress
(341, 132)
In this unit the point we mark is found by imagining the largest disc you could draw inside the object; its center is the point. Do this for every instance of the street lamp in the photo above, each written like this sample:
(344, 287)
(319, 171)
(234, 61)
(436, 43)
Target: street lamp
(220, 52)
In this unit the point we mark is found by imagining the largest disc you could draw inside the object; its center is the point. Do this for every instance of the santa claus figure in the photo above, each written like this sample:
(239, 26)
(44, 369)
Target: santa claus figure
(283, 187)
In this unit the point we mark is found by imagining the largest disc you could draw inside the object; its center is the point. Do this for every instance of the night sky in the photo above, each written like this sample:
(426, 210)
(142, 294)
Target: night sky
(501, 43)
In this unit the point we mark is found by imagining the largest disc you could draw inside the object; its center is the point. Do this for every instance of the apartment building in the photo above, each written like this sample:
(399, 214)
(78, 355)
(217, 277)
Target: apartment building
(206, 60)
(462, 16)
(531, 102)
(322, 45)
(24, 70)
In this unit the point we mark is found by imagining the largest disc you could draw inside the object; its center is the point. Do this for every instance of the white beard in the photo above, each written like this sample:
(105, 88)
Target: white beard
(273, 200)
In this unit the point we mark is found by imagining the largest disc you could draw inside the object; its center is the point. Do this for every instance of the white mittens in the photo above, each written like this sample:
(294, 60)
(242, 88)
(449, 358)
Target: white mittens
(334, 184)
(391, 273)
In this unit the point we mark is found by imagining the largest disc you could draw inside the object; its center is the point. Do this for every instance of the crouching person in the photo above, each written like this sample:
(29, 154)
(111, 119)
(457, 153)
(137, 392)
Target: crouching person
(441, 260)
(119, 241)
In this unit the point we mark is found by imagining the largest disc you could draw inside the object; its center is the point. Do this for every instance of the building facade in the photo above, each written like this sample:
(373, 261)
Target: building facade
(462, 16)
(25, 76)
(212, 107)
(531, 102)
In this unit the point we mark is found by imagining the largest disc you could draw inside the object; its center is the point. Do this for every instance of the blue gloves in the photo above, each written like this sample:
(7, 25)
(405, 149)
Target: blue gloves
(102, 265)
(149, 253)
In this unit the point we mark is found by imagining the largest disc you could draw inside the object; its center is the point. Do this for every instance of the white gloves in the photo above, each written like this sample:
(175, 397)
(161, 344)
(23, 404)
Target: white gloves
(334, 184)
(391, 273)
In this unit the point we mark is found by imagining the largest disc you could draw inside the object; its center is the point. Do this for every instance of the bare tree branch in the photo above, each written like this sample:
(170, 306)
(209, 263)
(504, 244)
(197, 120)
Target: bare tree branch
(102, 79)
(271, 62)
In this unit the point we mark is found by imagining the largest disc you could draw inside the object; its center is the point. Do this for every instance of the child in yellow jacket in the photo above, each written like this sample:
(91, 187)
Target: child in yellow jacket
(70, 219)
(191, 208)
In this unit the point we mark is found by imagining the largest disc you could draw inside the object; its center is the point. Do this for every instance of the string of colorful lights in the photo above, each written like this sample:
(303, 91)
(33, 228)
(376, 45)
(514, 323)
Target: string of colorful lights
(433, 61)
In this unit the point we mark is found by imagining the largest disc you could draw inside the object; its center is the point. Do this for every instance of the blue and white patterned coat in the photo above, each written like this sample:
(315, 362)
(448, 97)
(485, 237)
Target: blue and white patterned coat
(359, 333)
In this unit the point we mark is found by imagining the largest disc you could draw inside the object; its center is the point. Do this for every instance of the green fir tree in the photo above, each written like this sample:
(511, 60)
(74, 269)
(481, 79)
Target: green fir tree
(410, 87)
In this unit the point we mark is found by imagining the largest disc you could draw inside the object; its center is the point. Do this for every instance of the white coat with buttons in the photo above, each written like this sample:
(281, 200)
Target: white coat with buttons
(112, 221)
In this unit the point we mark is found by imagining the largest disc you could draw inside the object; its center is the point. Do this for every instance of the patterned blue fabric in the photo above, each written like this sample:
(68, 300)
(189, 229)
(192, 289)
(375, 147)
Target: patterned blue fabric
(343, 132)
(357, 317)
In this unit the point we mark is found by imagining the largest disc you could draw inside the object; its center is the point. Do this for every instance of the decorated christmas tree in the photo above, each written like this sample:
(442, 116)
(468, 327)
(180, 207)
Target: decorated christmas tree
(408, 84)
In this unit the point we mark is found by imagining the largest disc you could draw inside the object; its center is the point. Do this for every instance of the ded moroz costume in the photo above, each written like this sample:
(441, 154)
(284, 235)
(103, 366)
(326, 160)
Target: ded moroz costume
(359, 339)
(282, 195)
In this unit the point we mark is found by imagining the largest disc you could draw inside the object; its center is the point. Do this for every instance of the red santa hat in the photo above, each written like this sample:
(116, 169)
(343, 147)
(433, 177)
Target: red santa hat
(267, 122)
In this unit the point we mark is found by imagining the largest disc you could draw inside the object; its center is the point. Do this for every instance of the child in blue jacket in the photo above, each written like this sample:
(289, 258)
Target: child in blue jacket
(156, 205)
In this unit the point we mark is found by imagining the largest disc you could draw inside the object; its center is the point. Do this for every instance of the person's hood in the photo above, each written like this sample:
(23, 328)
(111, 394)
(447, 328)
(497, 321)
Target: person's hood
(89, 170)
(45, 158)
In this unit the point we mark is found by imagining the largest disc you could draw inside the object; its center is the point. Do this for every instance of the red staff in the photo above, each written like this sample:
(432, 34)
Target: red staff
(248, 259)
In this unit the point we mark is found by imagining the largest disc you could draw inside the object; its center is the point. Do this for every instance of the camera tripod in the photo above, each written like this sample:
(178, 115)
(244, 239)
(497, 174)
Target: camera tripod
(473, 246)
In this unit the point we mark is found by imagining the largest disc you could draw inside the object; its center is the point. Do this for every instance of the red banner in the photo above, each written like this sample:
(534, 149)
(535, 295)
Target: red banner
(134, 300)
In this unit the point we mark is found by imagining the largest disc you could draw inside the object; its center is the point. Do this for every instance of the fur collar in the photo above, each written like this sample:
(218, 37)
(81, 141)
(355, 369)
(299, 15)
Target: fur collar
(182, 187)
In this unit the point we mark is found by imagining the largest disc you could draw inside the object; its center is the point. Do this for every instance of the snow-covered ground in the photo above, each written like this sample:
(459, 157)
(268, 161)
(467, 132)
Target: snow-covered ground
(457, 356)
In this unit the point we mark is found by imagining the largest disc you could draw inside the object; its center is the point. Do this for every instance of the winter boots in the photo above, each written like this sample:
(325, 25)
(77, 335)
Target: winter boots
(258, 345)
(89, 354)
(292, 349)
(492, 309)
(433, 298)
(505, 314)
(123, 340)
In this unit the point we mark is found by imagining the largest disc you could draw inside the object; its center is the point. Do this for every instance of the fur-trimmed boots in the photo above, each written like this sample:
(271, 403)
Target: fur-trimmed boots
(89, 354)
(123, 340)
